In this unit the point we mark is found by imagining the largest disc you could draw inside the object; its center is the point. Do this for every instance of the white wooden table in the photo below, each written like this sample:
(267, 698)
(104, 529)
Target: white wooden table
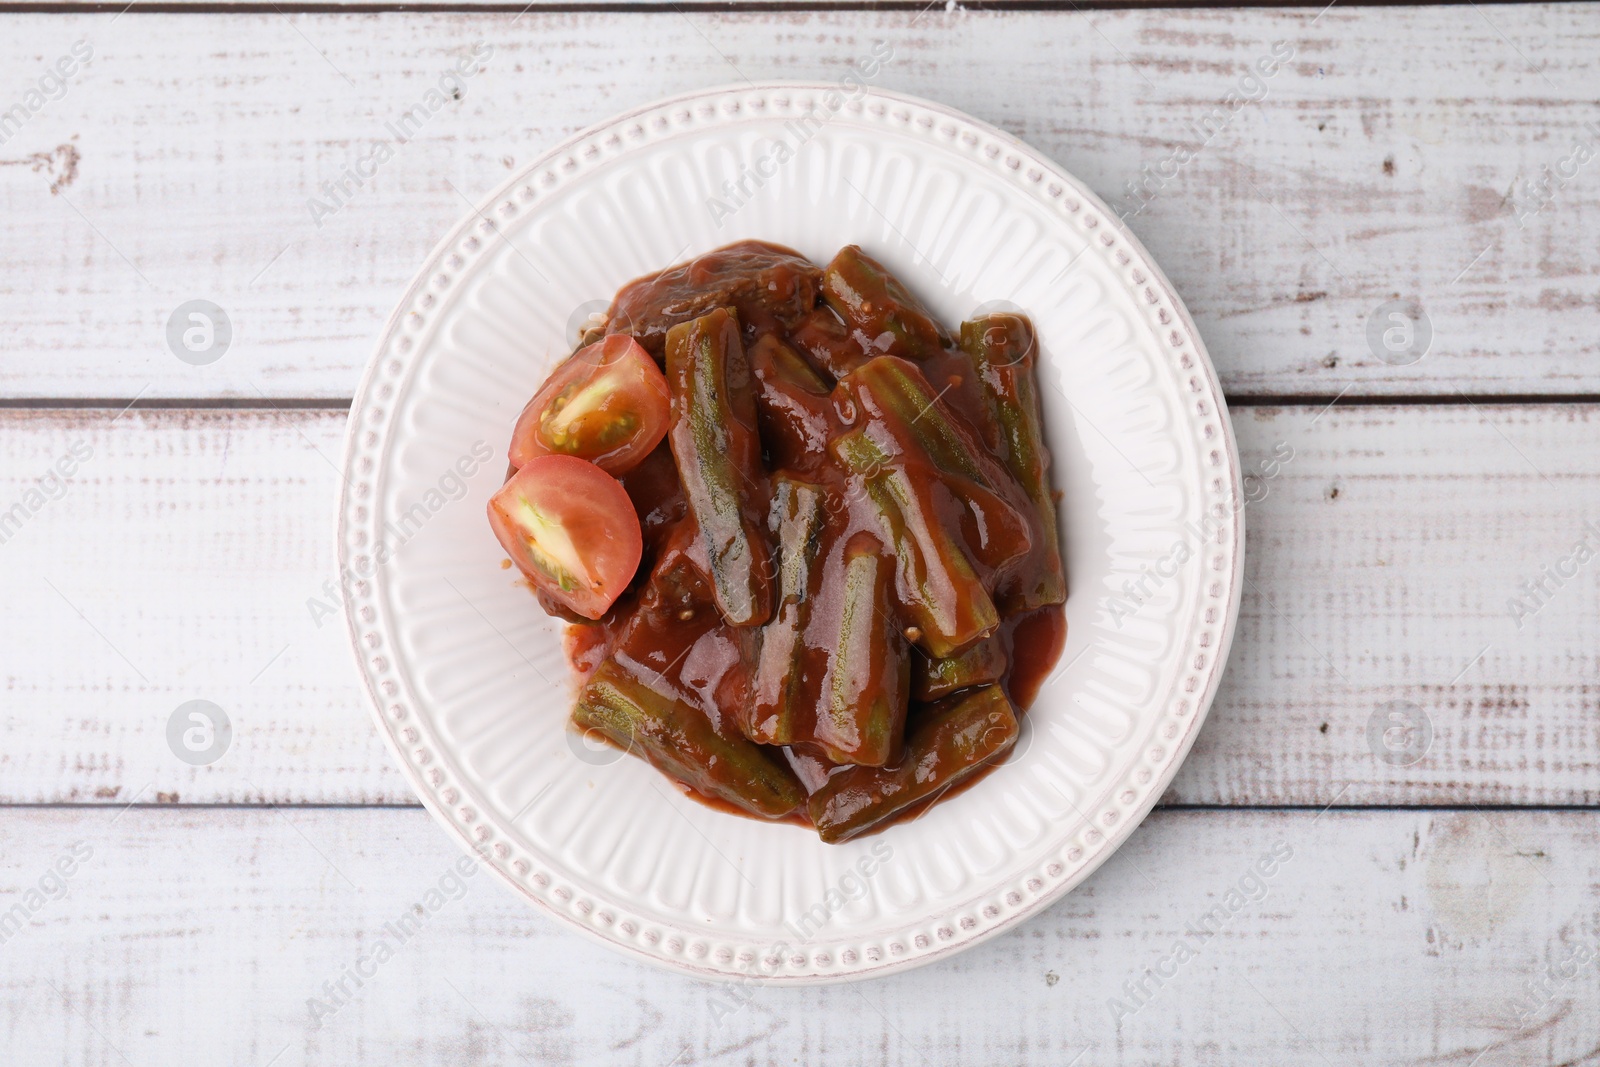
(1442, 911)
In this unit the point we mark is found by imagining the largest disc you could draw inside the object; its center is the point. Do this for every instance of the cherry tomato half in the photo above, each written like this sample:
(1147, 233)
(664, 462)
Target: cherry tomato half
(572, 529)
(607, 403)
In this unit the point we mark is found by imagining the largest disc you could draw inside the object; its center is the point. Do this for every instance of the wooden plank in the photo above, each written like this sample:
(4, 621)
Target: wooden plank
(1386, 567)
(191, 544)
(1379, 164)
(1382, 560)
(717, 7)
(1392, 937)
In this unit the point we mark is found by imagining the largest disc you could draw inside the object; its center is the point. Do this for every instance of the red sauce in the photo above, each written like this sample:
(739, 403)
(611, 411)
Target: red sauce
(797, 817)
(586, 648)
(668, 626)
(1034, 644)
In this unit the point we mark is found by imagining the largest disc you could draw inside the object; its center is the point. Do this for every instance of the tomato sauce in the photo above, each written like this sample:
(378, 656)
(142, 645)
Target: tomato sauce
(894, 501)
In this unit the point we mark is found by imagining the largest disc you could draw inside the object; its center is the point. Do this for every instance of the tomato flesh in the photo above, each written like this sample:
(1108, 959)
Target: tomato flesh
(572, 530)
(607, 403)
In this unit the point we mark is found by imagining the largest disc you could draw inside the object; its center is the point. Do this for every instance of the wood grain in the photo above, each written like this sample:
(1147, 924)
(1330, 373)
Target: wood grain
(189, 555)
(1379, 164)
(65, 7)
(1385, 564)
(1387, 937)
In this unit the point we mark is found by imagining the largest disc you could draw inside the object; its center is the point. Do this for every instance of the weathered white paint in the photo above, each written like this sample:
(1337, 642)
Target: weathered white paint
(1398, 937)
(1384, 563)
(1389, 546)
(1384, 554)
(180, 162)
(513, 9)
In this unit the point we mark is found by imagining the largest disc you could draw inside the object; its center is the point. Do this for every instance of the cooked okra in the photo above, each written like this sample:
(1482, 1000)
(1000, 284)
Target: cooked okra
(714, 439)
(810, 594)
(948, 742)
(1003, 352)
(874, 302)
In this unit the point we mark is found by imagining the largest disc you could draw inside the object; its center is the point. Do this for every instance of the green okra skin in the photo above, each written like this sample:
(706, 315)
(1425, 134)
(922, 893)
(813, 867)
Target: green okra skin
(893, 394)
(870, 299)
(904, 415)
(780, 708)
(942, 594)
(947, 742)
(865, 690)
(983, 664)
(1002, 348)
(716, 444)
(679, 740)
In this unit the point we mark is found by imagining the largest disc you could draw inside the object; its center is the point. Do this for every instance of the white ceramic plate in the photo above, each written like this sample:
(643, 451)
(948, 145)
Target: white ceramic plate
(467, 677)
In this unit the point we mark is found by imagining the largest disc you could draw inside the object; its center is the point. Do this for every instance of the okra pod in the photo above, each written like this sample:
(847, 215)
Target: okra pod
(678, 739)
(1002, 348)
(780, 709)
(893, 394)
(997, 531)
(832, 346)
(864, 691)
(872, 300)
(903, 413)
(716, 444)
(949, 606)
(947, 742)
(793, 403)
(982, 664)
(767, 283)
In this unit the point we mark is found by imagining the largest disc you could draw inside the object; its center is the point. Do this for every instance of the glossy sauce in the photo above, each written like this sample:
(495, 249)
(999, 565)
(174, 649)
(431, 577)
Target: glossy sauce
(1034, 643)
(667, 626)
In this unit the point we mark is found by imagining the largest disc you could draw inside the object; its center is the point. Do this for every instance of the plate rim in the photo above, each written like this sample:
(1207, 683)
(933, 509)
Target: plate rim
(1209, 390)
